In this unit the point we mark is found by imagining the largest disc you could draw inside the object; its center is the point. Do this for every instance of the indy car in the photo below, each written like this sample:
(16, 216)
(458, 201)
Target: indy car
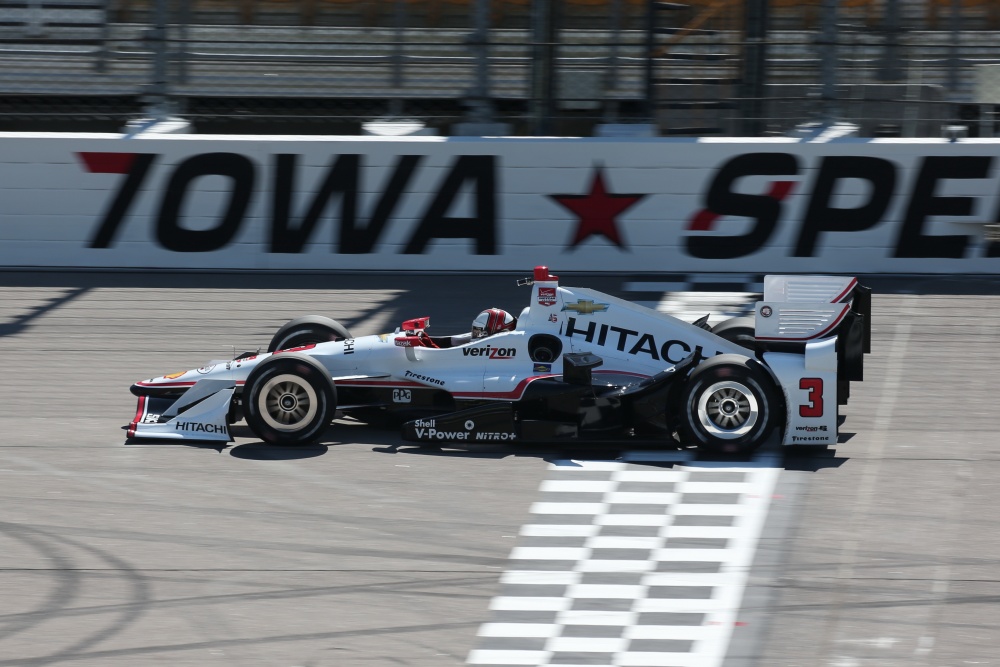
(576, 364)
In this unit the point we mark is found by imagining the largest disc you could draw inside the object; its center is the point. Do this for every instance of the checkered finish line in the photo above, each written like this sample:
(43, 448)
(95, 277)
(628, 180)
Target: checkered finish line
(627, 564)
(719, 297)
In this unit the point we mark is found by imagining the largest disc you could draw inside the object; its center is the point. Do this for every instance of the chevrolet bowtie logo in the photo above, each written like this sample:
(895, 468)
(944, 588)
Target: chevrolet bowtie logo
(586, 307)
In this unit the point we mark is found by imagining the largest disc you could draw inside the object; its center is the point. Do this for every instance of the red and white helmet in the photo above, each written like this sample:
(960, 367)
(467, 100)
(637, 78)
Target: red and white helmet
(491, 321)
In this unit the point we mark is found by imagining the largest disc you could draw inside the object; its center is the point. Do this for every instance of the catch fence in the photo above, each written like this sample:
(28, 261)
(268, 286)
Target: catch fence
(562, 67)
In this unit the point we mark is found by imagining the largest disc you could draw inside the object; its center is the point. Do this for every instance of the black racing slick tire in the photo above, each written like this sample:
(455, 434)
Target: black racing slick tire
(308, 330)
(289, 399)
(729, 405)
(739, 330)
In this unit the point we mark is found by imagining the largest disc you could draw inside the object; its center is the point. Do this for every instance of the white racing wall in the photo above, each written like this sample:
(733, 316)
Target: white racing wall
(431, 203)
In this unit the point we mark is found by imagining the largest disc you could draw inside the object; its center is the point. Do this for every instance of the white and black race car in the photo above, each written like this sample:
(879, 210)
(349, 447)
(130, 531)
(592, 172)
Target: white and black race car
(578, 364)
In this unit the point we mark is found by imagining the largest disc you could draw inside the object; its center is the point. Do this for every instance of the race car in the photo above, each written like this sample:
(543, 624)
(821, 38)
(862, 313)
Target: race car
(576, 364)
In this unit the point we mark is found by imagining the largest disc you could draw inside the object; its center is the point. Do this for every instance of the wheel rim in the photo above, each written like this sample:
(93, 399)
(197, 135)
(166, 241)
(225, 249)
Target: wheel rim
(287, 403)
(728, 410)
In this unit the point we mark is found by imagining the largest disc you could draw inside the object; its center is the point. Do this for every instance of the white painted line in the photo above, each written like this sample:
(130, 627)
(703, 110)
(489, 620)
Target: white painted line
(693, 632)
(595, 466)
(717, 487)
(721, 578)
(659, 660)
(656, 476)
(631, 520)
(567, 508)
(517, 629)
(504, 603)
(682, 605)
(641, 498)
(590, 617)
(479, 657)
(615, 566)
(587, 644)
(723, 532)
(605, 591)
(710, 510)
(707, 299)
(545, 530)
(536, 577)
(576, 486)
(624, 542)
(549, 553)
(656, 286)
(702, 555)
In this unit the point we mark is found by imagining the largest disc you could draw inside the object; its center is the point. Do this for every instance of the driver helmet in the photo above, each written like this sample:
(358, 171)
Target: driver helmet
(491, 321)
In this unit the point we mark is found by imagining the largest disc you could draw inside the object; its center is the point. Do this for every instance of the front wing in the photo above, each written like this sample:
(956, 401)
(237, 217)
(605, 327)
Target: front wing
(200, 414)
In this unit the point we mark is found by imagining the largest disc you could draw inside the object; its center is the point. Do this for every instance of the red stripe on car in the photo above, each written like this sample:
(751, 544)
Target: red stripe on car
(140, 412)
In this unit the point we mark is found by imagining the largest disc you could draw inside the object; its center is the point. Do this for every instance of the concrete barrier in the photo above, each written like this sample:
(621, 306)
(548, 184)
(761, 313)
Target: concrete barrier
(436, 203)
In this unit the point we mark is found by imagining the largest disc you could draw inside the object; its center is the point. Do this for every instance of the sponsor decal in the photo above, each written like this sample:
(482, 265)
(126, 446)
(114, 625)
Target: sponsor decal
(491, 352)
(300, 348)
(635, 342)
(597, 211)
(206, 369)
(434, 434)
(887, 183)
(174, 376)
(586, 307)
(349, 346)
(401, 396)
(426, 429)
(423, 378)
(147, 176)
(542, 368)
(331, 203)
(765, 311)
(810, 438)
(546, 296)
(151, 419)
(198, 427)
(553, 318)
(496, 436)
(810, 429)
(384, 337)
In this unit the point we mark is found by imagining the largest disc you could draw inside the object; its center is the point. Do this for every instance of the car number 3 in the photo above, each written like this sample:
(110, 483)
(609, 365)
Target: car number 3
(814, 387)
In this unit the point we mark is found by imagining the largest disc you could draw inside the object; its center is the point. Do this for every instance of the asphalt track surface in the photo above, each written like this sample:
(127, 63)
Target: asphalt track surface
(368, 551)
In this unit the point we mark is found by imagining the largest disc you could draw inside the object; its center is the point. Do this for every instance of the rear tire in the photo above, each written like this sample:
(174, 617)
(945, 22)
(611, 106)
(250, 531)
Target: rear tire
(308, 330)
(729, 405)
(739, 330)
(289, 399)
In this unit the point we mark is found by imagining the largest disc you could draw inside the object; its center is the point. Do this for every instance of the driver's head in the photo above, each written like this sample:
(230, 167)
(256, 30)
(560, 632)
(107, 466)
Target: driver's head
(491, 321)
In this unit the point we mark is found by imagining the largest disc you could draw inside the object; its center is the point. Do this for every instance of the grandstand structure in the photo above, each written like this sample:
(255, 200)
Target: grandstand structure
(569, 67)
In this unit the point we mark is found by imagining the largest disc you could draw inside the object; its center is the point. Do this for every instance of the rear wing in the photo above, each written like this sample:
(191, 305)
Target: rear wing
(800, 309)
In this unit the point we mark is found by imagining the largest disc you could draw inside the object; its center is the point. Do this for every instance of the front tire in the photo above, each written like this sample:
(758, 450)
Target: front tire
(289, 399)
(729, 405)
(308, 330)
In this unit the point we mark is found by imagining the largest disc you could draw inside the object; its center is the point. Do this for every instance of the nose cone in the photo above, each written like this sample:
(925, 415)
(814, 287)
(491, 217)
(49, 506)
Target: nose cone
(168, 384)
